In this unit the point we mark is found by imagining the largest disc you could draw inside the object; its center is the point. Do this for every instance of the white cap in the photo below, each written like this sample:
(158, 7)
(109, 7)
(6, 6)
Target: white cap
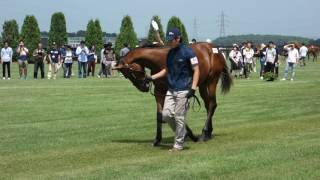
(208, 40)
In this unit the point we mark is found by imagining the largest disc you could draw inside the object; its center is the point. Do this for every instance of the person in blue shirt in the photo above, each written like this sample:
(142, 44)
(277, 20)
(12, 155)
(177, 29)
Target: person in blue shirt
(182, 73)
(82, 53)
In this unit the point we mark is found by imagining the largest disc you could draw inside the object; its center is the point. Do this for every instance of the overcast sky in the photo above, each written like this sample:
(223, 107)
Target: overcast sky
(286, 17)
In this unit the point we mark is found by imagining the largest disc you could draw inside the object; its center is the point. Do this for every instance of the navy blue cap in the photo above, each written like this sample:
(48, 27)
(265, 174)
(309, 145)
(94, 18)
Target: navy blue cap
(173, 34)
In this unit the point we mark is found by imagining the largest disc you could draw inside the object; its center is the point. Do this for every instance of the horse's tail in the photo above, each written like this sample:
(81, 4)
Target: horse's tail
(226, 80)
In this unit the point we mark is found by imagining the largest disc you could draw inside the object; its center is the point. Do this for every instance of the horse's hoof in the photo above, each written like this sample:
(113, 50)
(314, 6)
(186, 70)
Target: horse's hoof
(204, 138)
(194, 138)
(156, 143)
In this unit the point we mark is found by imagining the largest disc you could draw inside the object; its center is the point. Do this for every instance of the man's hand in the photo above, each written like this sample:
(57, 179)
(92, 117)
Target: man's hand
(148, 79)
(155, 25)
(190, 93)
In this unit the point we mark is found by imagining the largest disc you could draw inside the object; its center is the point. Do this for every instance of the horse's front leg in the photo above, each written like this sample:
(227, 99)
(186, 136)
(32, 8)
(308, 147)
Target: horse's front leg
(208, 127)
(158, 138)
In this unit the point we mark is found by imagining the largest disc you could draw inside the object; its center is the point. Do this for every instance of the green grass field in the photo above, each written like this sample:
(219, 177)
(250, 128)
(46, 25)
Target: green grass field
(103, 129)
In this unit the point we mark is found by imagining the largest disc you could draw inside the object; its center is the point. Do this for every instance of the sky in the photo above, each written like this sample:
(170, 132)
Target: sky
(284, 17)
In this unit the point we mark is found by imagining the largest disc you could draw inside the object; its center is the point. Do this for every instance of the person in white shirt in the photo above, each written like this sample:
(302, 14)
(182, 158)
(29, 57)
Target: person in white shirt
(82, 53)
(68, 62)
(22, 60)
(235, 58)
(292, 59)
(271, 54)
(248, 54)
(303, 51)
(6, 59)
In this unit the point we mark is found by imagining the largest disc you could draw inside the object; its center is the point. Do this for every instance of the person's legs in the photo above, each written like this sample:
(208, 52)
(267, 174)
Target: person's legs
(84, 69)
(35, 70)
(79, 70)
(93, 67)
(293, 70)
(168, 110)
(55, 70)
(42, 70)
(261, 67)
(89, 68)
(70, 70)
(3, 70)
(108, 68)
(180, 113)
(286, 71)
(9, 69)
(25, 69)
(20, 68)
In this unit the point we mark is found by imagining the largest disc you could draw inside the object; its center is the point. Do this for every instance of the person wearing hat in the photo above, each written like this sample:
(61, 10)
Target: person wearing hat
(54, 58)
(235, 58)
(292, 60)
(82, 53)
(182, 74)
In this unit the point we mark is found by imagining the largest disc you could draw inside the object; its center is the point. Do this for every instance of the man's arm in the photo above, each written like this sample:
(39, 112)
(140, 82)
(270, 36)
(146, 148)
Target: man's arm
(78, 51)
(195, 78)
(157, 34)
(160, 74)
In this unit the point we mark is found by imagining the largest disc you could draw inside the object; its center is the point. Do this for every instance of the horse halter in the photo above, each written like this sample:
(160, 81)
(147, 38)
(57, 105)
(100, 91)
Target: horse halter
(132, 72)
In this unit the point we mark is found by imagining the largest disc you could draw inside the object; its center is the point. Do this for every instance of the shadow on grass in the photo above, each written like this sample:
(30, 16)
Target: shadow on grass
(166, 142)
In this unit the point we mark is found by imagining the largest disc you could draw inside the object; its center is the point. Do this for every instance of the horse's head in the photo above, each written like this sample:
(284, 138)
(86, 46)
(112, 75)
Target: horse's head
(135, 73)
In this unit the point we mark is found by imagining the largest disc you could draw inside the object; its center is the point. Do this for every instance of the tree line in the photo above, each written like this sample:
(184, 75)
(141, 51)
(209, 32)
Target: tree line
(31, 34)
(258, 39)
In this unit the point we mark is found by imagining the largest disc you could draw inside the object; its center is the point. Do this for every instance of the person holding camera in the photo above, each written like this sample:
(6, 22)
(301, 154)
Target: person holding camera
(39, 55)
(22, 60)
(82, 53)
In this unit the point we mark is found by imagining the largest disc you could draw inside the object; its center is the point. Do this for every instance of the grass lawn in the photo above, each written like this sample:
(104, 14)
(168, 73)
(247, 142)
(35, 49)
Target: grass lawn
(103, 129)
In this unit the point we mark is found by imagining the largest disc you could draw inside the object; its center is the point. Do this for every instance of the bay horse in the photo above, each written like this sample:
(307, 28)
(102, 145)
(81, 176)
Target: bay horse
(212, 66)
(314, 51)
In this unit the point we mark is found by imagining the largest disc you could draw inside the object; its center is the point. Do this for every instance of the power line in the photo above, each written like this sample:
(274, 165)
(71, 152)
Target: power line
(222, 24)
(195, 28)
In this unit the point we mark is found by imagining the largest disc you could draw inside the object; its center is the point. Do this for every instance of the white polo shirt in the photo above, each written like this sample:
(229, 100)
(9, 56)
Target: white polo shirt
(6, 54)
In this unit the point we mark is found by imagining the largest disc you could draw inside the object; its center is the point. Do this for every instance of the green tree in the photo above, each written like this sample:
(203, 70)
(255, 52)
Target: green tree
(94, 35)
(58, 30)
(126, 35)
(99, 35)
(151, 34)
(176, 22)
(91, 33)
(30, 32)
(10, 33)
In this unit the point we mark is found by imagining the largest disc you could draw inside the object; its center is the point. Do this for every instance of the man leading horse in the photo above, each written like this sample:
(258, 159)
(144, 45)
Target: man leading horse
(182, 74)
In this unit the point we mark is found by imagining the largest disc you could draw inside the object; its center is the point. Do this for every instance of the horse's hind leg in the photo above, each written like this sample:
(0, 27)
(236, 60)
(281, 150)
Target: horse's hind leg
(209, 97)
